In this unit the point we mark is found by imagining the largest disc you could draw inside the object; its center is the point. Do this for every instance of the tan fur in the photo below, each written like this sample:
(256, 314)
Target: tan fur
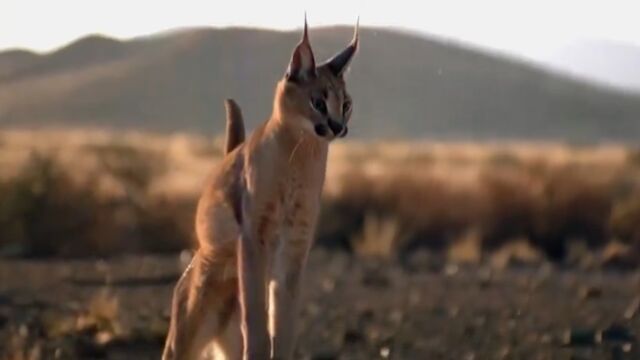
(255, 223)
(235, 126)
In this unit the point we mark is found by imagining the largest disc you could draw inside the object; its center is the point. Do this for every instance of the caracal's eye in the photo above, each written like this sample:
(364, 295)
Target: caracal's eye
(319, 105)
(346, 106)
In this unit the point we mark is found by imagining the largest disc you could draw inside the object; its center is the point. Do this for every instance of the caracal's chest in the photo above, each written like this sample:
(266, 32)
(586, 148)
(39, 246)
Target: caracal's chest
(296, 176)
(304, 180)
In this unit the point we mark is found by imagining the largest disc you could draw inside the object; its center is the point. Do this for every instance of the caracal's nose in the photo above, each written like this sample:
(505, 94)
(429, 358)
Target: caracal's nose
(336, 127)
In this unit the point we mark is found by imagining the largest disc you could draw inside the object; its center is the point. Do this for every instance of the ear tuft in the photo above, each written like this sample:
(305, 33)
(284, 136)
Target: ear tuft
(339, 63)
(302, 65)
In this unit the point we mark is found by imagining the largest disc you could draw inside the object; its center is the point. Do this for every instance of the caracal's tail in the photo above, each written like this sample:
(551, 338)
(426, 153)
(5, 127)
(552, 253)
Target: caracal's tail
(235, 126)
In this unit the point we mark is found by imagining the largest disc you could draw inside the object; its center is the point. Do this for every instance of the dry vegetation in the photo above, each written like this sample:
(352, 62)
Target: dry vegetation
(75, 193)
(443, 253)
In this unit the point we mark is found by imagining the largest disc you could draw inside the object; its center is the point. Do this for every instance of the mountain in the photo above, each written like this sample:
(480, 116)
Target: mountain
(403, 85)
(15, 60)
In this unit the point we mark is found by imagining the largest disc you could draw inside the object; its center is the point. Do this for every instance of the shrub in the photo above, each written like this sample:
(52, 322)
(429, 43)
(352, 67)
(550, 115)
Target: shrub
(625, 220)
(42, 212)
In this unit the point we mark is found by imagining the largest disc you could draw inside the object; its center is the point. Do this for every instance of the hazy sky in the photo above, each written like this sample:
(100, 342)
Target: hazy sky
(521, 26)
(536, 29)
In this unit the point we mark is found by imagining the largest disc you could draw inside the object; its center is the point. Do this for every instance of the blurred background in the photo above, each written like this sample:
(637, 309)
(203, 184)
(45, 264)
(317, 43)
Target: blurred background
(492, 169)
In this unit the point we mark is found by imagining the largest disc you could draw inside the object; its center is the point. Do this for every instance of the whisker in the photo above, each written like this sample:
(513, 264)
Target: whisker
(296, 147)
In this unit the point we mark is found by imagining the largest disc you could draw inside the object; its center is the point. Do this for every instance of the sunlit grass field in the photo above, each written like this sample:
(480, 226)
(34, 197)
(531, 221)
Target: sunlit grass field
(81, 192)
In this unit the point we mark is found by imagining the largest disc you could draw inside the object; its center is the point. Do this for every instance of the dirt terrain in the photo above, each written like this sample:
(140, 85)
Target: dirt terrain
(354, 309)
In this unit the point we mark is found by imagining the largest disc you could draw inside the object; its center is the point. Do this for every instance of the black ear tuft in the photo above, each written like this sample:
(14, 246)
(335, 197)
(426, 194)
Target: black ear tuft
(340, 62)
(302, 64)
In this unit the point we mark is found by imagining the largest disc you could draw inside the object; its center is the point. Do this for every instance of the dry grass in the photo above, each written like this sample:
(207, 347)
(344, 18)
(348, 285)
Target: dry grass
(20, 347)
(378, 237)
(467, 249)
(517, 251)
(101, 317)
(87, 199)
(136, 192)
(548, 194)
(69, 333)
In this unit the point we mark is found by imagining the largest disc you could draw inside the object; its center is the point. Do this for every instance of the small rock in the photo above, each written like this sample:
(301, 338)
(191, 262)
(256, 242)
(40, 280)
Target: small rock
(385, 351)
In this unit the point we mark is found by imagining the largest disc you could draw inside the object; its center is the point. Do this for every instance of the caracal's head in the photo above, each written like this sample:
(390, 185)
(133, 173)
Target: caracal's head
(314, 98)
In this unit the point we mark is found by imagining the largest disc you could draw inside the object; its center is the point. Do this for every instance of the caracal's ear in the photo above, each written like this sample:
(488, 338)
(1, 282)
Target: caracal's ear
(340, 62)
(302, 65)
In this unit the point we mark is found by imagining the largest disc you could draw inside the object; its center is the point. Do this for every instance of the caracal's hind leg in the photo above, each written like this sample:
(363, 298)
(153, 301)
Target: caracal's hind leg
(174, 344)
(199, 299)
(228, 342)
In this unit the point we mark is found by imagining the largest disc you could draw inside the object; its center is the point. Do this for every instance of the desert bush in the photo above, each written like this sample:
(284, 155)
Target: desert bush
(43, 212)
(102, 314)
(625, 220)
(427, 211)
(133, 167)
(158, 224)
(386, 200)
(166, 225)
(575, 207)
(549, 205)
(511, 206)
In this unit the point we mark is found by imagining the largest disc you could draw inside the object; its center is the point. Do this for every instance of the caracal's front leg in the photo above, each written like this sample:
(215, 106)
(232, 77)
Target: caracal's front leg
(284, 288)
(253, 258)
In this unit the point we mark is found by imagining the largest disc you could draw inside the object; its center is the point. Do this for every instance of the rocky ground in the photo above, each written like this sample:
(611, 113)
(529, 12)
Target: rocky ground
(354, 309)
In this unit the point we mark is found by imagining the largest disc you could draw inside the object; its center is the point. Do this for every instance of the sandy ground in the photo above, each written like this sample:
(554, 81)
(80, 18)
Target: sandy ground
(354, 309)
